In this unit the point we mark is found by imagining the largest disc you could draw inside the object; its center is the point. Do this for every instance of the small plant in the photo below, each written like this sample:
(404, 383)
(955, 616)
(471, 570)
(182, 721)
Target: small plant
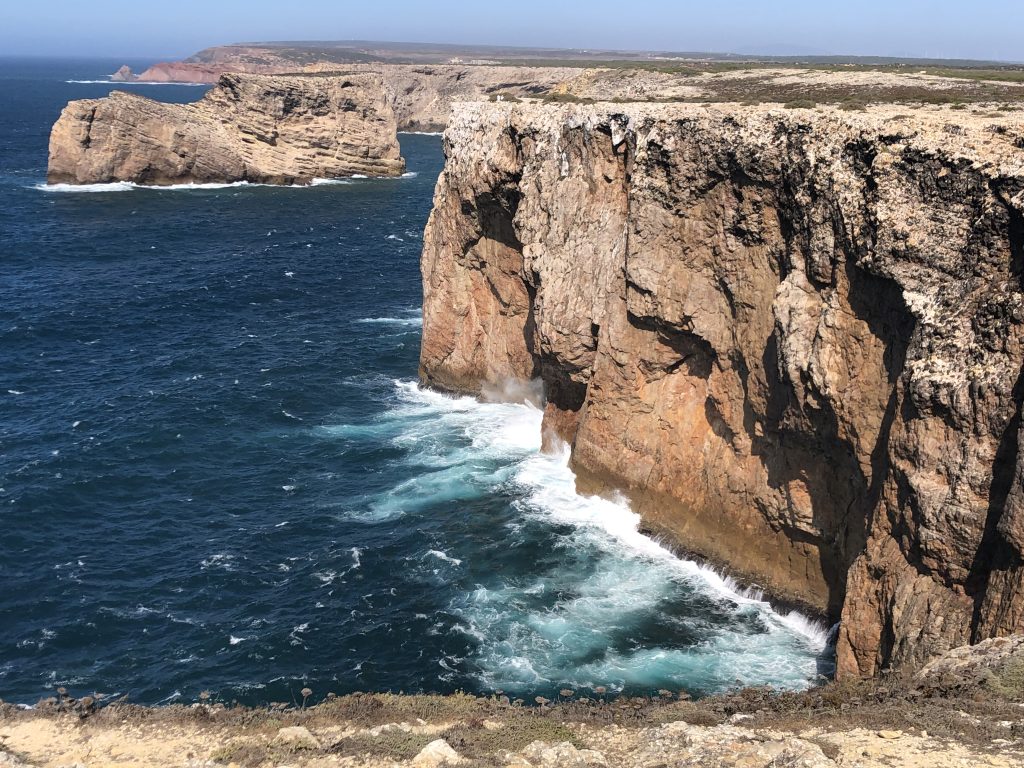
(566, 98)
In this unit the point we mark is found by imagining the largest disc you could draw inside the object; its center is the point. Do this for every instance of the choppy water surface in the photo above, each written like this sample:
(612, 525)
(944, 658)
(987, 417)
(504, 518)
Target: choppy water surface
(217, 471)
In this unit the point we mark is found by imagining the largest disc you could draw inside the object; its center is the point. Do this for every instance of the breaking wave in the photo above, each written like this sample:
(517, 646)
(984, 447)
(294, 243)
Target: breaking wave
(131, 186)
(133, 82)
(566, 590)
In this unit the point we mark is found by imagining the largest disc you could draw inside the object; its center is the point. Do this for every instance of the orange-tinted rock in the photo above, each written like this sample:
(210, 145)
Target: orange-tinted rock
(792, 337)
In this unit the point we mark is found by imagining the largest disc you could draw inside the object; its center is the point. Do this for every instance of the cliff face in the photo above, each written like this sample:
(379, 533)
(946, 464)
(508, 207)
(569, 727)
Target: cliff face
(794, 338)
(421, 95)
(269, 129)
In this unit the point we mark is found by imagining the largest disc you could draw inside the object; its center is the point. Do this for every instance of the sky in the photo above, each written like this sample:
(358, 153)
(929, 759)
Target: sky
(977, 29)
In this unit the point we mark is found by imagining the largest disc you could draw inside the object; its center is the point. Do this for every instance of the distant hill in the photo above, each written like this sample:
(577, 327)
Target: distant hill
(361, 51)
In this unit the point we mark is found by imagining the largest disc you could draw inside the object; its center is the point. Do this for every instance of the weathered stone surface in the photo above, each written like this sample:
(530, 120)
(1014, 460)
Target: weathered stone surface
(973, 731)
(296, 737)
(561, 755)
(996, 664)
(257, 128)
(793, 337)
(437, 753)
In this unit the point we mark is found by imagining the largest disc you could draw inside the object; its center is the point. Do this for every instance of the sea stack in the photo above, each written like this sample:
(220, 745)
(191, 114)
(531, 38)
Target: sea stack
(255, 128)
(794, 338)
(124, 74)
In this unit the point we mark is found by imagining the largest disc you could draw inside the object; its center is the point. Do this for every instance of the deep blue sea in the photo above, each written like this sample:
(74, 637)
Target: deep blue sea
(217, 471)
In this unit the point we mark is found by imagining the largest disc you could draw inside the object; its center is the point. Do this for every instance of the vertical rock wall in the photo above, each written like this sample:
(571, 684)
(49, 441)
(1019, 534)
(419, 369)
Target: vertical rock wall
(793, 338)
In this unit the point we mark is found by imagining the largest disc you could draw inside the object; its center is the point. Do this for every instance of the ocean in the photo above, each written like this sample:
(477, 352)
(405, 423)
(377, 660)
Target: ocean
(218, 473)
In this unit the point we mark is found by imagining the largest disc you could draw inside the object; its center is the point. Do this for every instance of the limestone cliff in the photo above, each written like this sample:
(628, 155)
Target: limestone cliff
(793, 337)
(422, 94)
(257, 128)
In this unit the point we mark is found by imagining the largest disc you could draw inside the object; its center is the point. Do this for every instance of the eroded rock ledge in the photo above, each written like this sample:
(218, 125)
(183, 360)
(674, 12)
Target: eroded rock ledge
(256, 128)
(793, 337)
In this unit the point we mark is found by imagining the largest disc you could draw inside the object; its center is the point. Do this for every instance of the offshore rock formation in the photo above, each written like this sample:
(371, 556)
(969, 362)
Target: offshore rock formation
(257, 128)
(792, 337)
(124, 74)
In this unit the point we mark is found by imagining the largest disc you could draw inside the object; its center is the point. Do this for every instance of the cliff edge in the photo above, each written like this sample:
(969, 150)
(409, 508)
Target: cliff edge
(793, 337)
(962, 710)
(256, 128)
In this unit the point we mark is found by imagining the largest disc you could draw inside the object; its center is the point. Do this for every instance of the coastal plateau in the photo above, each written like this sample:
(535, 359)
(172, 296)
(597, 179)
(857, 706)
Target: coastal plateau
(422, 85)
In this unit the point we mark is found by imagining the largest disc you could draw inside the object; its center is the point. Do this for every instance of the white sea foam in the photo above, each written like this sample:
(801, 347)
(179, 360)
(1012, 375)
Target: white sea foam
(119, 83)
(328, 182)
(414, 318)
(295, 636)
(357, 554)
(443, 556)
(577, 622)
(221, 560)
(130, 186)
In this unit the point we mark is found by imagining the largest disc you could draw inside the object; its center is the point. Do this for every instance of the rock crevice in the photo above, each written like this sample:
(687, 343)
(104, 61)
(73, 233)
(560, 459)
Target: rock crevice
(791, 337)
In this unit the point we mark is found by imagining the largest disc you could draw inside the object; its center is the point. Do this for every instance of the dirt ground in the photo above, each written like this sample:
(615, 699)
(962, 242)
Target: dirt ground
(965, 720)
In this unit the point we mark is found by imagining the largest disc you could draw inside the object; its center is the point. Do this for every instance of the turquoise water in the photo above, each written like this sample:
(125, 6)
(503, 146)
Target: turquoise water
(217, 471)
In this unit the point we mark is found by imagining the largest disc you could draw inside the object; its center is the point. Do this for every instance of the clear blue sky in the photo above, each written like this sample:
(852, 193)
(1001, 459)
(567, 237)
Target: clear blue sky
(990, 29)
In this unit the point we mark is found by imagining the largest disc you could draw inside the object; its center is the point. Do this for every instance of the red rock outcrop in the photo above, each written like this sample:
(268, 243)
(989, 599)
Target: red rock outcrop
(792, 337)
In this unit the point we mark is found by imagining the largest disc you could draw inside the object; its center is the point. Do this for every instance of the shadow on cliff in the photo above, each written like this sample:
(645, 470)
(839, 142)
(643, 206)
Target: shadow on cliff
(804, 441)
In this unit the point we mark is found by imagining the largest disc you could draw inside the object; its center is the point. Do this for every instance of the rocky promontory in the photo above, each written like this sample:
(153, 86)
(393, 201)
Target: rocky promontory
(793, 337)
(256, 128)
